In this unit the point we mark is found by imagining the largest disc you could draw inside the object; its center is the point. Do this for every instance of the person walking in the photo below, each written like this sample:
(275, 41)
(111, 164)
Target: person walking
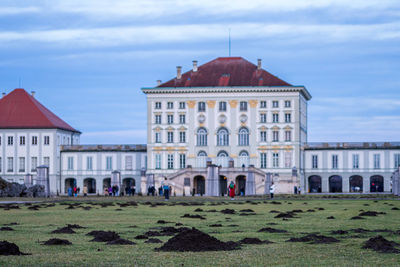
(105, 191)
(85, 190)
(232, 188)
(133, 189)
(110, 191)
(166, 189)
(75, 191)
(272, 190)
(70, 191)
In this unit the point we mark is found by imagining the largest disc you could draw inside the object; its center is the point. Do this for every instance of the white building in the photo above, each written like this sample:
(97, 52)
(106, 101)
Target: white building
(226, 108)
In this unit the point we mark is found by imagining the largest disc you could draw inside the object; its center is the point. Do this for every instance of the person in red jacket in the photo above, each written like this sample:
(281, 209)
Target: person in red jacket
(232, 188)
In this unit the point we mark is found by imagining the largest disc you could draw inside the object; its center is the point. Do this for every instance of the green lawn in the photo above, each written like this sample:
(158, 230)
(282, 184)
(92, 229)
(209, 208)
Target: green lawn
(35, 226)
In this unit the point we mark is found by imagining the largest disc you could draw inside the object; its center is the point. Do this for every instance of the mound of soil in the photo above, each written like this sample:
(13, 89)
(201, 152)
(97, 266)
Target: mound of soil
(162, 222)
(193, 216)
(370, 213)
(286, 215)
(274, 211)
(120, 241)
(395, 208)
(198, 210)
(275, 203)
(34, 207)
(228, 211)
(153, 241)
(271, 230)
(247, 210)
(10, 224)
(314, 239)
(6, 228)
(63, 230)
(339, 232)
(357, 218)
(75, 226)
(247, 214)
(330, 218)
(216, 225)
(141, 237)
(56, 241)
(255, 241)
(296, 211)
(381, 244)
(178, 224)
(195, 240)
(233, 225)
(360, 230)
(7, 248)
(103, 236)
(310, 210)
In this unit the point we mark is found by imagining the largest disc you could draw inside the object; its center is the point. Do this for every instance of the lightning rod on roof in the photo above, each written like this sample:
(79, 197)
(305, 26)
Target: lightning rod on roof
(229, 42)
(19, 83)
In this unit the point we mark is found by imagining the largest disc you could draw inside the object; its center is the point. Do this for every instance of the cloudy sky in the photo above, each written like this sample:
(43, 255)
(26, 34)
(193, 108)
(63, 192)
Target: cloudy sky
(87, 60)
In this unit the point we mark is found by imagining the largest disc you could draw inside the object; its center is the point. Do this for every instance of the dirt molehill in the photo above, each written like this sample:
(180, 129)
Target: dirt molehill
(120, 241)
(6, 228)
(339, 232)
(286, 215)
(193, 216)
(228, 211)
(357, 218)
(163, 222)
(57, 241)
(195, 240)
(216, 225)
(255, 241)
(63, 230)
(103, 236)
(330, 218)
(271, 230)
(7, 248)
(370, 213)
(381, 244)
(75, 226)
(314, 239)
(247, 210)
(153, 241)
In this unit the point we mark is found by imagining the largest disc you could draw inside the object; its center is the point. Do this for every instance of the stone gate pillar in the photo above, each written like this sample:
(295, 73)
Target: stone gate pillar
(43, 178)
(250, 188)
(212, 180)
(268, 181)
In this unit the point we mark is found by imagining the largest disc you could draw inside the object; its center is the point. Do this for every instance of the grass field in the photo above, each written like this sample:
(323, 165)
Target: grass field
(35, 226)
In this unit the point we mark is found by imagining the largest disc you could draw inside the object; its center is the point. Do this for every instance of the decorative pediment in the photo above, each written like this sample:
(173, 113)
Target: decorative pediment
(263, 128)
(157, 129)
(288, 128)
(191, 103)
(182, 128)
(275, 128)
(253, 103)
(170, 128)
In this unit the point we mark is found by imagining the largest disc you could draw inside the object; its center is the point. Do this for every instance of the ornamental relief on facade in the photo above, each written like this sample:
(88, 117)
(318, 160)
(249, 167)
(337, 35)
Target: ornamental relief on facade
(191, 103)
(211, 103)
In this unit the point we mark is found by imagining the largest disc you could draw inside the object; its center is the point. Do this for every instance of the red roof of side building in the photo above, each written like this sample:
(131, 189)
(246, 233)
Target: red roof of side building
(20, 110)
(226, 71)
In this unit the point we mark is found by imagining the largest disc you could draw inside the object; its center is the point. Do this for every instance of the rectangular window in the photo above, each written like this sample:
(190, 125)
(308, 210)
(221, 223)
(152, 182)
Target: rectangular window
(287, 103)
(356, 161)
(275, 136)
(10, 164)
(263, 117)
(21, 164)
(377, 161)
(70, 163)
(47, 140)
(275, 117)
(288, 136)
(288, 159)
(1, 164)
(314, 159)
(182, 161)
(109, 163)
(157, 137)
(263, 136)
(243, 106)
(396, 160)
(334, 161)
(46, 161)
(222, 106)
(263, 104)
(128, 163)
(170, 119)
(170, 137)
(288, 117)
(157, 105)
(263, 160)
(170, 161)
(170, 105)
(201, 106)
(22, 140)
(182, 119)
(89, 163)
(158, 119)
(186, 182)
(182, 137)
(182, 105)
(275, 160)
(10, 141)
(158, 161)
(33, 164)
(275, 104)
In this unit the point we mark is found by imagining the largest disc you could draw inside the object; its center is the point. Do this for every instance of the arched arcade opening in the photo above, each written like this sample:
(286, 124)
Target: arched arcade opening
(335, 184)
(314, 184)
(376, 183)
(240, 185)
(356, 183)
(90, 183)
(199, 185)
(69, 183)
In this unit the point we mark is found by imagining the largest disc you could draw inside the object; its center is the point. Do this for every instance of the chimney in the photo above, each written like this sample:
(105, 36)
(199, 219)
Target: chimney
(259, 64)
(3, 94)
(158, 82)
(178, 72)
(33, 93)
(194, 65)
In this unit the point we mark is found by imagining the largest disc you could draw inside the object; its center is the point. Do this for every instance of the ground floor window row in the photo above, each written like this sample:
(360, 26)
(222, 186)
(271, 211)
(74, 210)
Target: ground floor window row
(335, 184)
(20, 164)
(94, 188)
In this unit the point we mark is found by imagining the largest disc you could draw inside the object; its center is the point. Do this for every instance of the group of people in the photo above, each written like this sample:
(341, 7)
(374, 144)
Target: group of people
(232, 189)
(74, 191)
(115, 191)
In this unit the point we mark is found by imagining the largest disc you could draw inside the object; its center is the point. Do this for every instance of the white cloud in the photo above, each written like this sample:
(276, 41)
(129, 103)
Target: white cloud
(18, 10)
(136, 35)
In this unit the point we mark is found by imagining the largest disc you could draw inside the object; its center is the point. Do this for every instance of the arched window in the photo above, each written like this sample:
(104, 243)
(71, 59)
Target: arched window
(202, 154)
(243, 137)
(222, 137)
(201, 137)
(201, 161)
(222, 159)
(222, 154)
(243, 154)
(243, 158)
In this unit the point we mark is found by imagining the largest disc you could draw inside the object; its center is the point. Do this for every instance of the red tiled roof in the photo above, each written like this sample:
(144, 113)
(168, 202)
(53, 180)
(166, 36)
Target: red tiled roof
(226, 71)
(19, 110)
